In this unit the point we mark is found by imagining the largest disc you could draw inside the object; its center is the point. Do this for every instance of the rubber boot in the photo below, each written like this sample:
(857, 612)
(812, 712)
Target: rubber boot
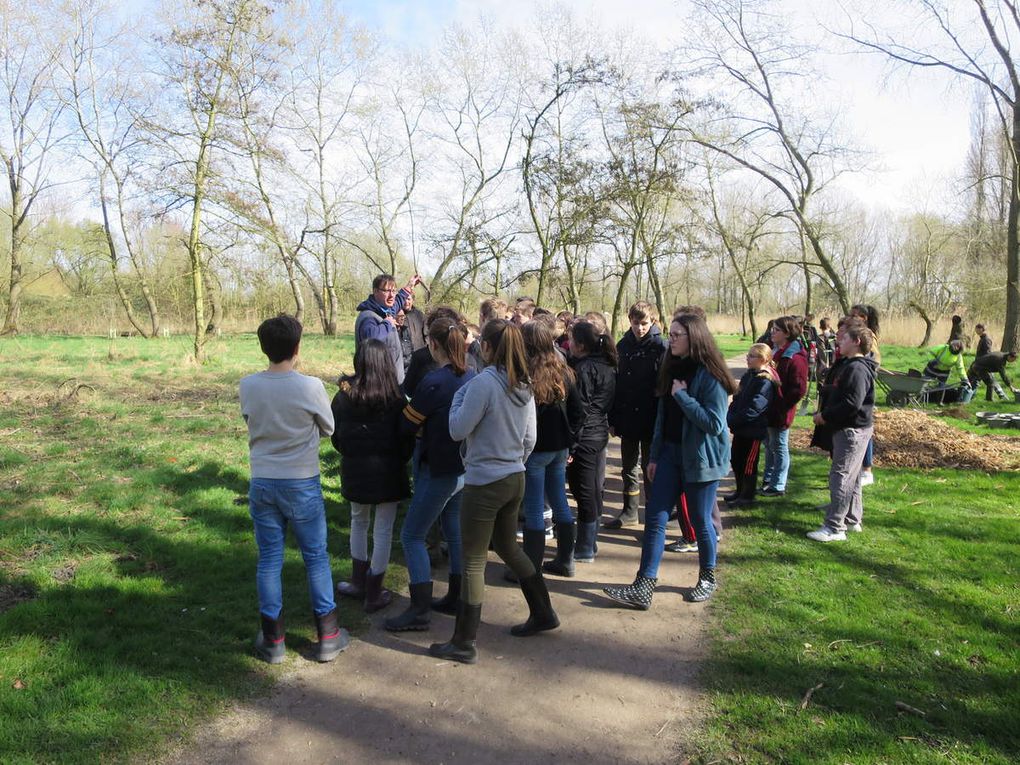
(448, 603)
(355, 588)
(704, 588)
(542, 616)
(628, 516)
(377, 597)
(418, 614)
(534, 548)
(269, 643)
(461, 647)
(332, 637)
(563, 563)
(584, 547)
(637, 595)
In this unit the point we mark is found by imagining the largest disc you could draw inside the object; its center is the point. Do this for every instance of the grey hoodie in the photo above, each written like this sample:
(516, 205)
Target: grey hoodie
(497, 426)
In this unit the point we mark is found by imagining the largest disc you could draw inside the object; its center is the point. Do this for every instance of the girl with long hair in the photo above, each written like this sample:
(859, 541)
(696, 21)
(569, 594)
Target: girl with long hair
(869, 315)
(439, 478)
(495, 416)
(791, 361)
(373, 467)
(559, 413)
(595, 360)
(690, 451)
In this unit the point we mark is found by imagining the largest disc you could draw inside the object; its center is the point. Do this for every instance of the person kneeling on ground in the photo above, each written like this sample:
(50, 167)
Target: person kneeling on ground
(690, 450)
(287, 413)
(844, 423)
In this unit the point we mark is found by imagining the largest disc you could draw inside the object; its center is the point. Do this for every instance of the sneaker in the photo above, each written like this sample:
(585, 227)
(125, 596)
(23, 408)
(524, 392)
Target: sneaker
(680, 546)
(769, 491)
(549, 532)
(857, 528)
(825, 534)
(867, 478)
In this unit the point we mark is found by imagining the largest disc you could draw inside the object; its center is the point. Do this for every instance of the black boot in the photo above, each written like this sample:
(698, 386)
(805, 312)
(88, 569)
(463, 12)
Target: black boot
(269, 643)
(448, 603)
(377, 597)
(704, 588)
(418, 614)
(637, 595)
(332, 637)
(534, 548)
(356, 587)
(542, 616)
(586, 544)
(461, 647)
(563, 563)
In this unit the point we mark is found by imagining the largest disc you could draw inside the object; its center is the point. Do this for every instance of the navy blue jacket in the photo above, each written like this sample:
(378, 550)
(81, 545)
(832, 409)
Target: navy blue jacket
(429, 412)
(635, 404)
(374, 452)
(748, 416)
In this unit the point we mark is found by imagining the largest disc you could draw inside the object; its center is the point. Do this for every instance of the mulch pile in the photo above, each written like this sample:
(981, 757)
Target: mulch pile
(911, 439)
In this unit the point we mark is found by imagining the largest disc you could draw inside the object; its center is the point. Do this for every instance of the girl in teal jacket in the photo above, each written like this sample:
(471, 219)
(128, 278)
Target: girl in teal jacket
(690, 453)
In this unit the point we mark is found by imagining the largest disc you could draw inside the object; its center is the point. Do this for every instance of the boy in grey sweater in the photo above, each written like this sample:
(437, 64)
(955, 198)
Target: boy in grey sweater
(287, 413)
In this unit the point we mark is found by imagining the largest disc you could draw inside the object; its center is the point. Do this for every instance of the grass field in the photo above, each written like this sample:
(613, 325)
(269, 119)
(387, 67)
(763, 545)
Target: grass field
(127, 604)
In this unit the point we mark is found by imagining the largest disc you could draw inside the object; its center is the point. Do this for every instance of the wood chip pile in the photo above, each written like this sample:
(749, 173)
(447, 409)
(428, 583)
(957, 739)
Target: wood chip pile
(911, 439)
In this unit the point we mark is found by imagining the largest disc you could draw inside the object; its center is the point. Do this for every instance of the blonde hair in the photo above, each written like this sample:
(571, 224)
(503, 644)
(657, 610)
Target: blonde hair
(762, 351)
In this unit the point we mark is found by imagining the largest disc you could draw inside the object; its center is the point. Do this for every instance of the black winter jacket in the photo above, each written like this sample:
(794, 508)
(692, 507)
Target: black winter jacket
(374, 452)
(596, 382)
(635, 403)
(560, 422)
(749, 411)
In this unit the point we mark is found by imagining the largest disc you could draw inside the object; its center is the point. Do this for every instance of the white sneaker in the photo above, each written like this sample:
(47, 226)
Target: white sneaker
(857, 528)
(825, 534)
(867, 478)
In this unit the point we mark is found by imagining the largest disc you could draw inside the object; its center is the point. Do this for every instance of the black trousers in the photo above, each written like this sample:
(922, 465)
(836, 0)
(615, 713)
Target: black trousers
(586, 475)
(744, 461)
(634, 456)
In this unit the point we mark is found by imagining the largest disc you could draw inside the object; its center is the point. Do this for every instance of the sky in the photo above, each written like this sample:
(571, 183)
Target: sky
(914, 125)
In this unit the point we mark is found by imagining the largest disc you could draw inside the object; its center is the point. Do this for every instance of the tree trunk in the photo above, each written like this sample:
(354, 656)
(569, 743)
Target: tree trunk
(13, 317)
(1011, 325)
(213, 294)
(111, 249)
(928, 323)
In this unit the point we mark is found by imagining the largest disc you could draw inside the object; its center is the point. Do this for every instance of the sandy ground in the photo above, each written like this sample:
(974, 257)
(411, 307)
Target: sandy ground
(611, 685)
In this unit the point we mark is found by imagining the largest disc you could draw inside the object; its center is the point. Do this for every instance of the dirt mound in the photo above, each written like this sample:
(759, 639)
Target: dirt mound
(911, 439)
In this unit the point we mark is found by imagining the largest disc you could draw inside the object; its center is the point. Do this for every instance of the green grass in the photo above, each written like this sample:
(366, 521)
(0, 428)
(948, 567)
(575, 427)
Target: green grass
(124, 534)
(922, 609)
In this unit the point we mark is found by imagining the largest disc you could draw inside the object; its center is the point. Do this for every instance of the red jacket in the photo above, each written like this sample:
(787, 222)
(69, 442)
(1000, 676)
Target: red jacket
(792, 367)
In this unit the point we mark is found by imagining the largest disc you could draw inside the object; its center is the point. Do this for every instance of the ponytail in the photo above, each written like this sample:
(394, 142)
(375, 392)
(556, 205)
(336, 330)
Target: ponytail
(587, 335)
(506, 346)
(447, 334)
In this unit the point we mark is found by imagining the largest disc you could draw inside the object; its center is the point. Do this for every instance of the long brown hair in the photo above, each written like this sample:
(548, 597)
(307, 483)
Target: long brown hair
(449, 336)
(374, 382)
(703, 350)
(549, 372)
(506, 349)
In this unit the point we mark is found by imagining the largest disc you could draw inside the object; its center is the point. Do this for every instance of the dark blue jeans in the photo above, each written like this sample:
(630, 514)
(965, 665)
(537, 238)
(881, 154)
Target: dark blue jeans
(434, 497)
(545, 478)
(666, 487)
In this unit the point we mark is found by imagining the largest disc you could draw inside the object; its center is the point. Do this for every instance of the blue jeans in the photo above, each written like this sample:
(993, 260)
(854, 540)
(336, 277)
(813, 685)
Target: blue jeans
(666, 487)
(273, 504)
(434, 497)
(777, 458)
(545, 477)
(869, 454)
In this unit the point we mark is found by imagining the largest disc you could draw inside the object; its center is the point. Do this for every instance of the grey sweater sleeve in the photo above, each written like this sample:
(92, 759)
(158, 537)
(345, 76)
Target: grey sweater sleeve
(468, 407)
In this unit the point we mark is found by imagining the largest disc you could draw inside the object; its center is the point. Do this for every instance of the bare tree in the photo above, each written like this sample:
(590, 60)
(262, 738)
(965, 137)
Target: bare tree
(743, 43)
(108, 110)
(31, 124)
(975, 45)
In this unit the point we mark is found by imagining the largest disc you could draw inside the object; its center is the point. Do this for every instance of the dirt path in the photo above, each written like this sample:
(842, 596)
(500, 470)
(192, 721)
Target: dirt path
(611, 685)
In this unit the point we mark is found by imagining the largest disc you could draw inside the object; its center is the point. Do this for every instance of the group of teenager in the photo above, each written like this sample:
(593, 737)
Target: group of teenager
(494, 422)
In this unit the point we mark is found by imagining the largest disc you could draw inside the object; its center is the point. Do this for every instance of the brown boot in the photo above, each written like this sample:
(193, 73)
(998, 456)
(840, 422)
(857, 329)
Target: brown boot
(377, 597)
(356, 587)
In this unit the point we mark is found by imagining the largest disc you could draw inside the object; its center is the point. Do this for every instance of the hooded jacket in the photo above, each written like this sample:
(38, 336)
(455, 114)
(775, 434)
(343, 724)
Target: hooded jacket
(748, 413)
(792, 369)
(634, 405)
(847, 398)
(496, 424)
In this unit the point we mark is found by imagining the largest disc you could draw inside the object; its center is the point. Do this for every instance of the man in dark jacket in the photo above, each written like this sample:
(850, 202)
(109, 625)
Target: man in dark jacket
(632, 417)
(377, 316)
(982, 369)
